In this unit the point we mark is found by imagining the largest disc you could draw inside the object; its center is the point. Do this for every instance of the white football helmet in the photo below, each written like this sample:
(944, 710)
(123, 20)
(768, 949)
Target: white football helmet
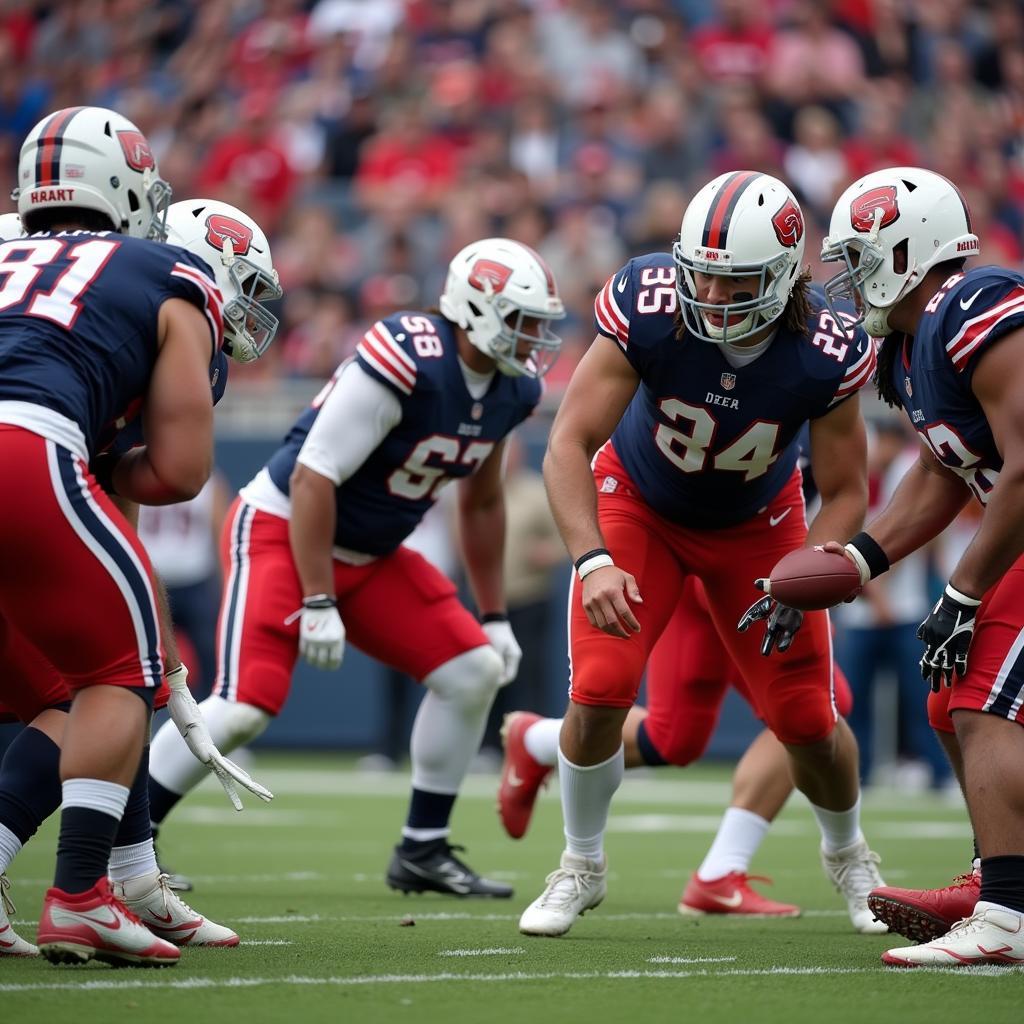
(492, 287)
(741, 224)
(890, 228)
(238, 252)
(93, 158)
(10, 227)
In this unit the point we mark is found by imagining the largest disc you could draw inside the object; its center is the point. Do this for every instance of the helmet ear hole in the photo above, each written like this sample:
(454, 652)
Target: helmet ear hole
(900, 257)
(474, 309)
(133, 201)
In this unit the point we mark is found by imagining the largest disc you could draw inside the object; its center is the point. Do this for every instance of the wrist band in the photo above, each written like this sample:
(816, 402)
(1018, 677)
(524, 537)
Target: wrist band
(871, 560)
(590, 554)
(493, 617)
(592, 560)
(970, 602)
(320, 601)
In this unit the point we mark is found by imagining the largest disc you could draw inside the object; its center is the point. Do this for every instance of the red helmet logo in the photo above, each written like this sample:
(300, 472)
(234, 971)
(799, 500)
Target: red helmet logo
(789, 224)
(136, 150)
(221, 228)
(486, 272)
(862, 209)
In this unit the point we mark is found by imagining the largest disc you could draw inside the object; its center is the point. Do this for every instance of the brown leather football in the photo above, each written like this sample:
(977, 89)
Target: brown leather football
(810, 578)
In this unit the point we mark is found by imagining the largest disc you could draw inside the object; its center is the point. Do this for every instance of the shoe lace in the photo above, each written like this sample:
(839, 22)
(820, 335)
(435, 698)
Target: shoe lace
(563, 886)
(8, 903)
(172, 901)
(858, 875)
(968, 924)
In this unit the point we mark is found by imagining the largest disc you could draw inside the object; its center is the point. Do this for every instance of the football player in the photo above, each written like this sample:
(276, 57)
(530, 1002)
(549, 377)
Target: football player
(313, 554)
(35, 693)
(953, 358)
(688, 676)
(706, 366)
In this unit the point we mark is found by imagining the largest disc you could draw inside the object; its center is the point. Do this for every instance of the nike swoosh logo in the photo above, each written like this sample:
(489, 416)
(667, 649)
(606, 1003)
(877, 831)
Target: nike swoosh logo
(160, 917)
(4, 942)
(107, 928)
(970, 301)
(621, 286)
(728, 901)
(995, 952)
(775, 520)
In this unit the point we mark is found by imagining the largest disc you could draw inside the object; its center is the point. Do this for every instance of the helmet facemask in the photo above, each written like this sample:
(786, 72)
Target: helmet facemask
(862, 256)
(249, 327)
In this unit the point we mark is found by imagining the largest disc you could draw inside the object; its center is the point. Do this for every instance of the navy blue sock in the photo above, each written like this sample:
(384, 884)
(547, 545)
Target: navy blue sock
(161, 802)
(427, 811)
(1002, 881)
(134, 827)
(29, 782)
(83, 850)
(648, 751)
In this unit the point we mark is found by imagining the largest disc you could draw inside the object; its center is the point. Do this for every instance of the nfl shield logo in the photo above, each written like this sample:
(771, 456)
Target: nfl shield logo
(477, 411)
(909, 387)
(728, 381)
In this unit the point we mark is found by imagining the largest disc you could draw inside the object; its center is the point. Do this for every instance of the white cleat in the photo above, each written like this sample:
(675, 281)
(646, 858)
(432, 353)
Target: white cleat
(11, 943)
(991, 935)
(577, 886)
(853, 870)
(168, 916)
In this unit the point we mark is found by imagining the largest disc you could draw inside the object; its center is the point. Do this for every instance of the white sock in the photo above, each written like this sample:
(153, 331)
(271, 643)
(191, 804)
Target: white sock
(10, 845)
(839, 829)
(132, 861)
(737, 840)
(541, 741)
(586, 796)
(231, 725)
(96, 795)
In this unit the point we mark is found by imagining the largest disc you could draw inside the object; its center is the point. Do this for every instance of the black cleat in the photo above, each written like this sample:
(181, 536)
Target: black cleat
(435, 868)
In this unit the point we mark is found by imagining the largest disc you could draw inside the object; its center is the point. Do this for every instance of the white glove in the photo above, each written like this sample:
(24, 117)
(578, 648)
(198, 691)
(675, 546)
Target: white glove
(502, 639)
(187, 716)
(321, 632)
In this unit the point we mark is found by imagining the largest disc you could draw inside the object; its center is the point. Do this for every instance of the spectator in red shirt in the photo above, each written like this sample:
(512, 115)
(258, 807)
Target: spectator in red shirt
(738, 45)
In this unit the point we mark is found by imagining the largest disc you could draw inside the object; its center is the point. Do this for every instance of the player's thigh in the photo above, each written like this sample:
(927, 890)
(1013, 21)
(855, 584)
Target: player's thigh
(74, 578)
(257, 629)
(995, 663)
(407, 614)
(606, 670)
(29, 683)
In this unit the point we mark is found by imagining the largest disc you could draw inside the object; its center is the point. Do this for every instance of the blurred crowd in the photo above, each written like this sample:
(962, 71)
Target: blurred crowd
(373, 138)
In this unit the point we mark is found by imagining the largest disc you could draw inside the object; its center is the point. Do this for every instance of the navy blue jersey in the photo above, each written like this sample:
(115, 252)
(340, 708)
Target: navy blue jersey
(125, 433)
(444, 432)
(968, 314)
(708, 444)
(79, 324)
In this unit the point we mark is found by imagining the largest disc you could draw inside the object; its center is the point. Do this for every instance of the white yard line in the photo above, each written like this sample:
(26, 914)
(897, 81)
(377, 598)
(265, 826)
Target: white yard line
(494, 951)
(691, 959)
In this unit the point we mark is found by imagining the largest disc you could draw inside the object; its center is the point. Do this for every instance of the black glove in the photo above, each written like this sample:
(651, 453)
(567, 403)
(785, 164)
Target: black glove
(947, 636)
(783, 622)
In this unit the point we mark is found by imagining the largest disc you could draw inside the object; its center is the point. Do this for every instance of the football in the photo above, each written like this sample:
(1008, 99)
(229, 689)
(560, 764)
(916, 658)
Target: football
(810, 578)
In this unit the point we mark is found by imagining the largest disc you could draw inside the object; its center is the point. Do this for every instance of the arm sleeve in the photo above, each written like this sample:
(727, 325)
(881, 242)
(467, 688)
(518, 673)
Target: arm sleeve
(356, 416)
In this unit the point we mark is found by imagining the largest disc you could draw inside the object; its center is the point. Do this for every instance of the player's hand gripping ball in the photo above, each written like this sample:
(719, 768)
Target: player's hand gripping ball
(812, 578)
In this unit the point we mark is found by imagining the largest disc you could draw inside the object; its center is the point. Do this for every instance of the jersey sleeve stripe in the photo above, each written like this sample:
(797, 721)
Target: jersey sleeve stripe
(609, 319)
(213, 303)
(385, 336)
(389, 354)
(380, 364)
(976, 330)
(858, 375)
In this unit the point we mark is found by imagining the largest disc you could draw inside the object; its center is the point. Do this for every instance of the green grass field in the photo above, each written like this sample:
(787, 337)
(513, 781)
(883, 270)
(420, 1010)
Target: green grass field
(324, 940)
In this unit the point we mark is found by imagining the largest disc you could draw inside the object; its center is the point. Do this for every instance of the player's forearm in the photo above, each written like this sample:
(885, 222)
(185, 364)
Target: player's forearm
(923, 505)
(482, 534)
(999, 541)
(168, 640)
(311, 530)
(572, 496)
(138, 479)
(840, 515)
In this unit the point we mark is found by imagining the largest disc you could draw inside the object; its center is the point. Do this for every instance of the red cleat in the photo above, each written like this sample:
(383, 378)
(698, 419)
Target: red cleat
(925, 914)
(521, 775)
(79, 927)
(731, 894)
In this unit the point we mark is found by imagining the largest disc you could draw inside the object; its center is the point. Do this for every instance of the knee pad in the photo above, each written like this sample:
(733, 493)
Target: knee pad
(812, 726)
(679, 744)
(471, 678)
(232, 724)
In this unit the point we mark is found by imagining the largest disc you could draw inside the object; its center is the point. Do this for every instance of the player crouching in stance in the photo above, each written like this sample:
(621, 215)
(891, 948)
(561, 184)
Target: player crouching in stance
(32, 691)
(693, 413)
(313, 551)
(953, 357)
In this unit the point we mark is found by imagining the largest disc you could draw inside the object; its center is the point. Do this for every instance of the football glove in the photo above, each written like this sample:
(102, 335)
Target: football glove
(321, 632)
(947, 634)
(780, 628)
(502, 639)
(187, 716)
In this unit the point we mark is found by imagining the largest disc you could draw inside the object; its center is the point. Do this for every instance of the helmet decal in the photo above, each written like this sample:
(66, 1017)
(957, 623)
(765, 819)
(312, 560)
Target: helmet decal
(219, 227)
(862, 208)
(716, 226)
(489, 272)
(789, 224)
(137, 153)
